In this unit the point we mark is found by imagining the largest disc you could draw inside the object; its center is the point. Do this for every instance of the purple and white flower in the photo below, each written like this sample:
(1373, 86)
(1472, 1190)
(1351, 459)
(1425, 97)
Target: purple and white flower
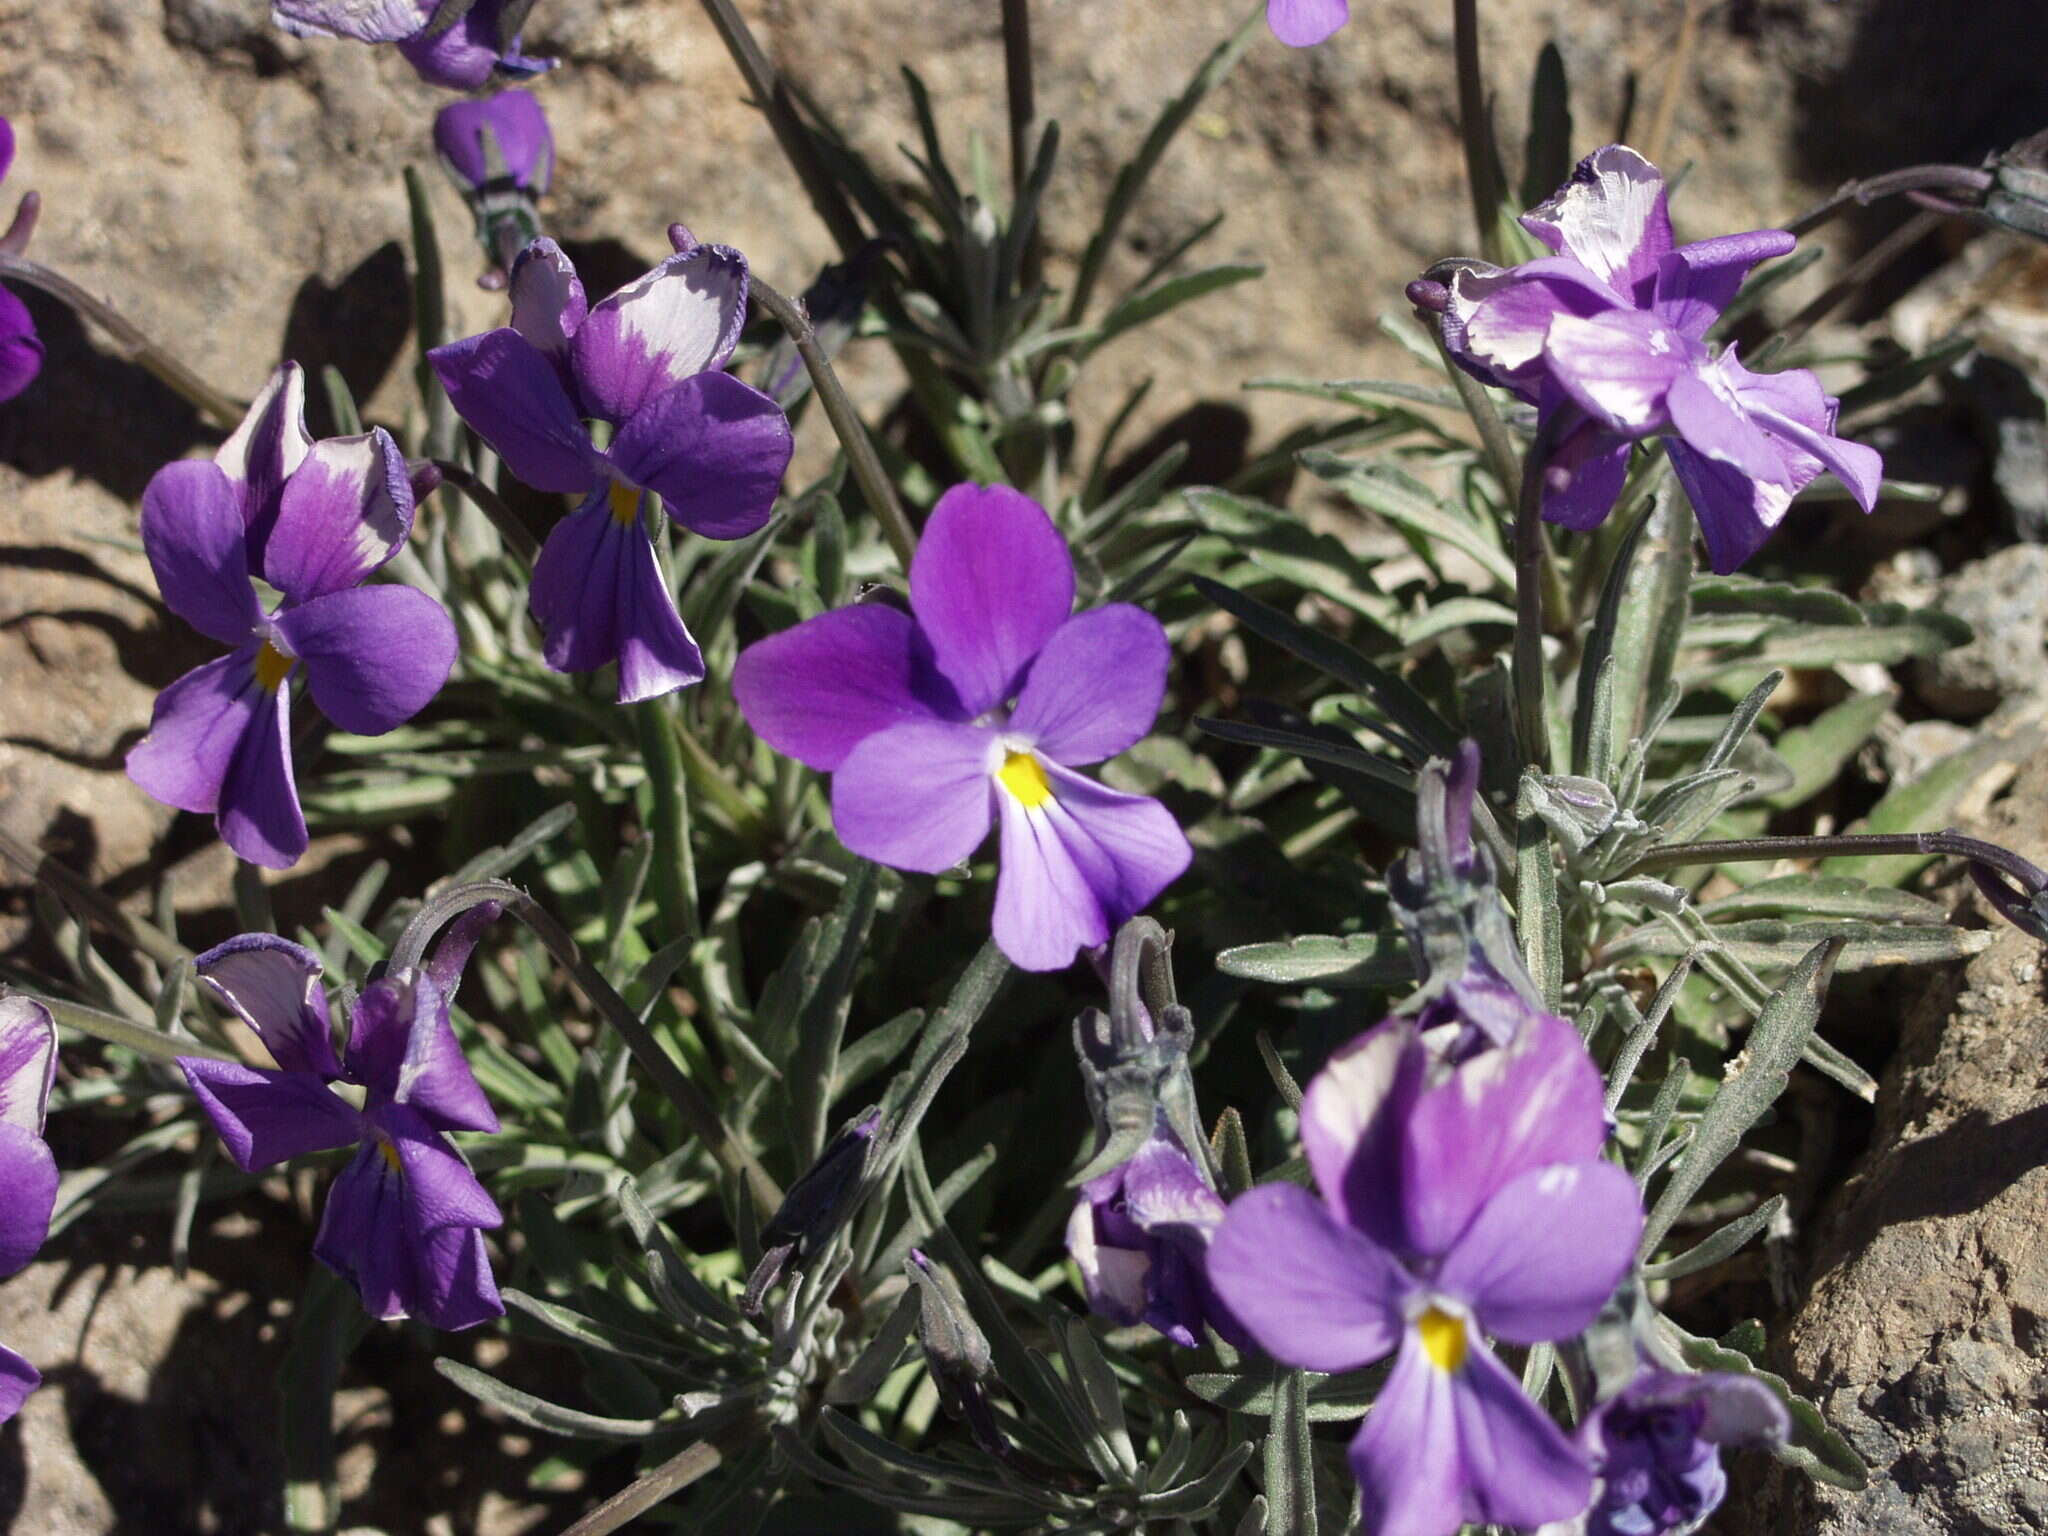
(647, 361)
(463, 55)
(1462, 1195)
(28, 1173)
(493, 139)
(975, 708)
(1607, 337)
(405, 1219)
(313, 520)
(1138, 1234)
(1304, 23)
(21, 349)
(1655, 1448)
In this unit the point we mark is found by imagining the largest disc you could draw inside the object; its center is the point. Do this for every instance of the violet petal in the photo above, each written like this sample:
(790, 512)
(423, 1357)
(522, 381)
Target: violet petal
(676, 321)
(344, 514)
(273, 986)
(194, 731)
(267, 1117)
(991, 582)
(192, 532)
(1311, 1291)
(508, 391)
(916, 795)
(1095, 687)
(819, 688)
(374, 656)
(714, 449)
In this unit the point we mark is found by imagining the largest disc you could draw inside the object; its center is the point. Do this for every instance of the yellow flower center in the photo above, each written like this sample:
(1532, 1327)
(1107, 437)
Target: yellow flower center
(1443, 1338)
(1022, 776)
(272, 666)
(391, 1156)
(625, 504)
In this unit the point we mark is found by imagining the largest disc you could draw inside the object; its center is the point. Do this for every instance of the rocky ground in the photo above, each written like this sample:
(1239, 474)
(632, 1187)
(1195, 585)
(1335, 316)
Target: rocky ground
(237, 194)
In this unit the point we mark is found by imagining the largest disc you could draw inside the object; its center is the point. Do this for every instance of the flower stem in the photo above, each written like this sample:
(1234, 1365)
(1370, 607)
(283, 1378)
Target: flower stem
(501, 517)
(853, 437)
(1530, 581)
(1482, 169)
(1023, 112)
(636, 1498)
(1965, 183)
(772, 97)
(675, 870)
(129, 338)
(698, 1112)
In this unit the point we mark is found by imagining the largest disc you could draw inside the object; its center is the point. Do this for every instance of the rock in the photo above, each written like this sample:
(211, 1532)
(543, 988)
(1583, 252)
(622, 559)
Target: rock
(2004, 597)
(1924, 1335)
(1917, 746)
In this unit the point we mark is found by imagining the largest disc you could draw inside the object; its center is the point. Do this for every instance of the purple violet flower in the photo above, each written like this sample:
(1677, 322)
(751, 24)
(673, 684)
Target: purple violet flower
(21, 349)
(313, 520)
(1304, 23)
(1607, 338)
(462, 56)
(520, 148)
(405, 1219)
(976, 707)
(1656, 1449)
(646, 360)
(28, 1173)
(1461, 1197)
(1138, 1234)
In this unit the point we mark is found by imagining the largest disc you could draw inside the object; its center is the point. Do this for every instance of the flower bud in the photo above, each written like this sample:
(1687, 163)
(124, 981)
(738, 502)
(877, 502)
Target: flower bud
(814, 1206)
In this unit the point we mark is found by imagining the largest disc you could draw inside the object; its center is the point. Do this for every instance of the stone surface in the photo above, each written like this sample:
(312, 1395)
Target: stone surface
(1924, 1334)
(2004, 598)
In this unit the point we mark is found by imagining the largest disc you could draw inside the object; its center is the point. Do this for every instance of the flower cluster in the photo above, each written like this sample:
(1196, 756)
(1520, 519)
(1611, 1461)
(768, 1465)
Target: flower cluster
(1607, 338)
(405, 1220)
(460, 44)
(313, 520)
(975, 708)
(648, 362)
(28, 1173)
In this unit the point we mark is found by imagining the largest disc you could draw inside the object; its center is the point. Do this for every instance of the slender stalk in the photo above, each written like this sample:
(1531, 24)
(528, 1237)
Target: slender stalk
(697, 1111)
(853, 437)
(1659, 137)
(772, 97)
(1482, 170)
(1872, 262)
(501, 517)
(1017, 80)
(1964, 181)
(1531, 579)
(1749, 850)
(675, 869)
(68, 886)
(636, 1498)
(132, 342)
(1494, 437)
(141, 1039)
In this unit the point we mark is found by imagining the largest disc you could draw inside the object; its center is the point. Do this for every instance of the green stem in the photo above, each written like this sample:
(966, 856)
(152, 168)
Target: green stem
(129, 338)
(501, 517)
(139, 1038)
(675, 868)
(1740, 850)
(772, 97)
(698, 1112)
(1482, 172)
(671, 1477)
(853, 437)
(1530, 585)
(1023, 112)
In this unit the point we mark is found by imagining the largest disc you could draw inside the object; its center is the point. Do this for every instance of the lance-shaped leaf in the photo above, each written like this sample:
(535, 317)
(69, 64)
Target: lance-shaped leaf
(1327, 960)
(1813, 1447)
(1776, 1042)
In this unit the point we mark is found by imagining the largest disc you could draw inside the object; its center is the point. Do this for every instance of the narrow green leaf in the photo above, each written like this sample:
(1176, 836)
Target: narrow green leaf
(1349, 960)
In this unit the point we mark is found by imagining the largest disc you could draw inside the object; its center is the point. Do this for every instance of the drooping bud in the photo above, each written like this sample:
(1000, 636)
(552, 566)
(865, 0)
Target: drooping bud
(1656, 1448)
(814, 1206)
(1459, 934)
(1134, 1059)
(500, 152)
